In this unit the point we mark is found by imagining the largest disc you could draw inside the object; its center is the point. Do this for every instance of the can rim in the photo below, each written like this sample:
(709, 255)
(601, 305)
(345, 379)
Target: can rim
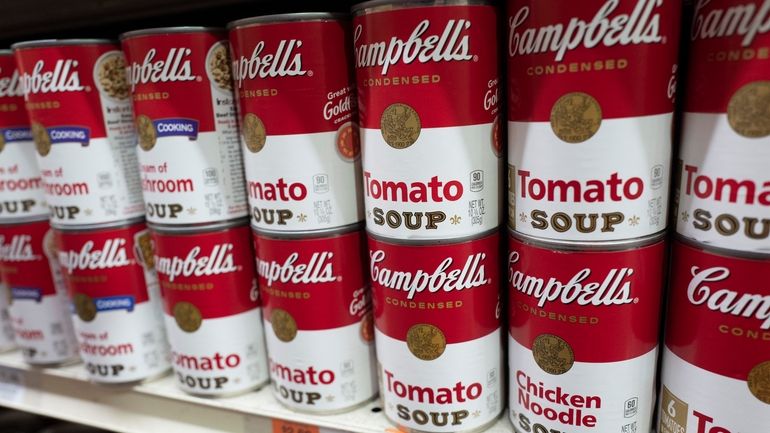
(335, 231)
(375, 5)
(61, 42)
(86, 228)
(172, 29)
(24, 220)
(6, 52)
(721, 251)
(433, 242)
(285, 18)
(596, 246)
(187, 230)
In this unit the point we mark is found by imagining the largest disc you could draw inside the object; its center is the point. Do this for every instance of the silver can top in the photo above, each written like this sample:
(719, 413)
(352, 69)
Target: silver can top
(285, 18)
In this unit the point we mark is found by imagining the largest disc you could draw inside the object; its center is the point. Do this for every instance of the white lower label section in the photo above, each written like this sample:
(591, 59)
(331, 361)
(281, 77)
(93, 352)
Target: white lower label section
(43, 329)
(322, 371)
(461, 390)
(302, 183)
(20, 182)
(608, 397)
(225, 355)
(724, 192)
(6, 330)
(612, 187)
(694, 400)
(445, 185)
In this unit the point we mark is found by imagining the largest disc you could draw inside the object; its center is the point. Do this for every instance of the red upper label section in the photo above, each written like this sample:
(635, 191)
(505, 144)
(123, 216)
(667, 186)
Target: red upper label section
(604, 304)
(320, 282)
(172, 75)
(729, 47)
(719, 311)
(455, 287)
(621, 52)
(23, 260)
(297, 77)
(213, 271)
(108, 263)
(12, 112)
(60, 88)
(439, 60)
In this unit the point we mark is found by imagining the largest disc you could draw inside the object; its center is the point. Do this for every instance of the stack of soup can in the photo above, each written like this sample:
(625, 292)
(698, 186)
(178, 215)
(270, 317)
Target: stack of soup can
(591, 99)
(34, 308)
(78, 102)
(294, 81)
(717, 339)
(192, 180)
(427, 75)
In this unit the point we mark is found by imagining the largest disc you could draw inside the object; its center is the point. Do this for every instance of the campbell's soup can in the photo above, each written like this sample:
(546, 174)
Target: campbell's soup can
(437, 315)
(78, 100)
(583, 335)
(37, 301)
(190, 153)
(716, 361)
(211, 304)
(722, 184)
(7, 341)
(318, 322)
(20, 184)
(591, 89)
(295, 85)
(116, 298)
(428, 92)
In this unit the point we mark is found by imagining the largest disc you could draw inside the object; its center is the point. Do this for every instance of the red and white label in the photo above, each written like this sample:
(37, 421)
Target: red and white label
(717, 332)
(190, 155)
(589, 147)
(78, 103)
(723, 188)
(294, 80)
(116, 297)
(315, 295)
(430, 129)
(219, 347)
(20, 183)
(570, 300)
(454, 290)
(39, 307)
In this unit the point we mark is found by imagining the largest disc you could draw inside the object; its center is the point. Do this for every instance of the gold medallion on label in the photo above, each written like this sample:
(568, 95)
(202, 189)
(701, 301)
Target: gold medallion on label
(748, 111)
(188, 316)
(400, 126)
(425, 341)
(254, 133)
(552, 354)
(146, 131)
(42, 139)
(85, 307)
(575, 117)
(284, 326)
(759, 382)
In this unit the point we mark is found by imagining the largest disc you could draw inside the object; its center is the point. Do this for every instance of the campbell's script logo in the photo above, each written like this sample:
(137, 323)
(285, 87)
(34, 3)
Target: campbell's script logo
(449, 44)
(63, 77)
(726, 301)
(218, 261)
(317, 270)
(10, 85)
(19, 249)
(285, 61)
(641, 26)
(111, 255)
(175, 67)
(746, 20)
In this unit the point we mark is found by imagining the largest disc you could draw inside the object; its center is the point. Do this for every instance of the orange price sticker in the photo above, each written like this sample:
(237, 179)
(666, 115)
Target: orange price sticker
(281, 426)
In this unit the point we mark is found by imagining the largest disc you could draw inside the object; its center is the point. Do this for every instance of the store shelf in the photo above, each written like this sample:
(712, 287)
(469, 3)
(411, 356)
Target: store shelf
(158, 407)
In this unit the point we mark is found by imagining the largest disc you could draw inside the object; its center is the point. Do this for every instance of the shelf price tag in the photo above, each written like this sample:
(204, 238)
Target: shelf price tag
(11, 385)
(282, 426)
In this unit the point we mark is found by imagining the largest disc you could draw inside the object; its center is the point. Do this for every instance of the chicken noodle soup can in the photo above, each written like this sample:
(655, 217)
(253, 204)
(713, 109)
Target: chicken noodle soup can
(211, 305)
(116, 299)
(722, 183)
(591, 89)
(78, 100)
(190, 153)
(437, 313)
(294, 81)
(716, 361)
(427, 75)
(318, 321)
(21, 186)
(37, 301)
(583, 335)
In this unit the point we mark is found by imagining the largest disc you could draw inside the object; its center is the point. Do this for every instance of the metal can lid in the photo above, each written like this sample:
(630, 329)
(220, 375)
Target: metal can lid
(99, 226)
(194, 229)
(285, 18)
(314, 234)
(434, 242)
(595, 246)
(168, 30)
(6, 52)
(721, 251)
(60, 42)
(376, 5)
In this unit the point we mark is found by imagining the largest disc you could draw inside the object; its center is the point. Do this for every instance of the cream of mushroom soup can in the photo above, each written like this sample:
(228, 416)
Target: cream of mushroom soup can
(295, 84)
(211, 305)
(78, 100)
(591, 88)
(428, 90)
(722, 185)
(189, 150)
